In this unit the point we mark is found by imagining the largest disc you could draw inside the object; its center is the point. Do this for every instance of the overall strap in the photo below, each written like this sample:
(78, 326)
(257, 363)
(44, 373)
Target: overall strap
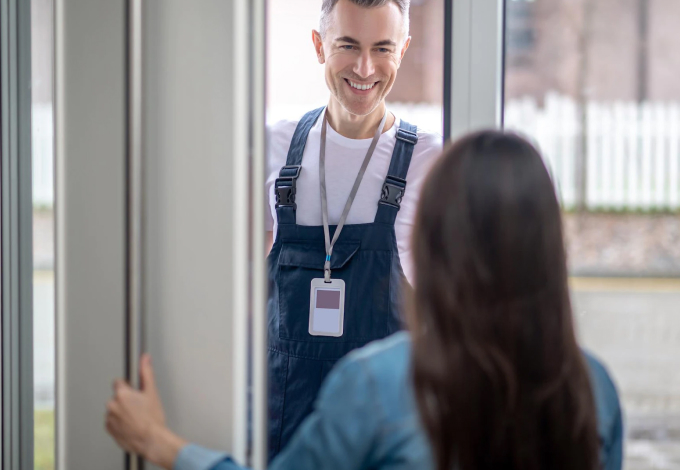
(285, 185)
(394, 186)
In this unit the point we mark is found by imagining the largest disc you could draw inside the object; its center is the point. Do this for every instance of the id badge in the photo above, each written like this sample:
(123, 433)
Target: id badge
(327, 307)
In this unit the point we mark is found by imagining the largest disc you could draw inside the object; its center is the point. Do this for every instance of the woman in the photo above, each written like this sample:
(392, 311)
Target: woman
(490, 377)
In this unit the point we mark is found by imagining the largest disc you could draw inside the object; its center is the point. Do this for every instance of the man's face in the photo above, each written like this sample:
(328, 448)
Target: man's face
(362, 50)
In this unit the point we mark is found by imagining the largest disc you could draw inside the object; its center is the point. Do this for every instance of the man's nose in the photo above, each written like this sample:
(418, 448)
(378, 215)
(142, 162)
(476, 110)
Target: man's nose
(364, 66)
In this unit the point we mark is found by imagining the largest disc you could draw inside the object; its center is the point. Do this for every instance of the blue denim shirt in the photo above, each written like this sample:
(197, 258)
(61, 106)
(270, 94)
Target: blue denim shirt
(366, 418)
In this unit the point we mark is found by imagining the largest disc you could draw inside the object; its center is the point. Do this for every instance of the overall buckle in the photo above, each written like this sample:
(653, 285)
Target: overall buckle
(285, 186)
(407, 136)
(393, 191)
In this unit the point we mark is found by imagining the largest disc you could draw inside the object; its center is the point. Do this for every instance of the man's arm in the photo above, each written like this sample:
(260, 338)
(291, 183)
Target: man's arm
(269, 241)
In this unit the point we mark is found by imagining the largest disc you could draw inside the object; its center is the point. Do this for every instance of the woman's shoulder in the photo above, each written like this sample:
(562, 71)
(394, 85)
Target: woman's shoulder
(361, 416)
(388, 357)
(606, 398)
(380, 365)
(602, 382)
(374, 375)
(386, 364)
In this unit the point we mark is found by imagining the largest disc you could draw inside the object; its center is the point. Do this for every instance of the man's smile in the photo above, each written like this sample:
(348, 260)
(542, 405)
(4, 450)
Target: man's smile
(360, 88)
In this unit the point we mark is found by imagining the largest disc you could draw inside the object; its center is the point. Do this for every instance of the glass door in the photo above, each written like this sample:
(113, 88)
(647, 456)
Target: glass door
(594, 84)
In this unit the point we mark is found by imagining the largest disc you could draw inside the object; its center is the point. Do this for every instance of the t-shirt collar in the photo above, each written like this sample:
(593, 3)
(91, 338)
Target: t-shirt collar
(346, 142)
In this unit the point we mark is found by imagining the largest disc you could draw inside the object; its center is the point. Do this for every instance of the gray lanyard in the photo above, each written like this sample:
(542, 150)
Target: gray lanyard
(352, 194)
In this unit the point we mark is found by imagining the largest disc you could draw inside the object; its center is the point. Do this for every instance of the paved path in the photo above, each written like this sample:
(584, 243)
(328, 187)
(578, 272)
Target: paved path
(633, 325)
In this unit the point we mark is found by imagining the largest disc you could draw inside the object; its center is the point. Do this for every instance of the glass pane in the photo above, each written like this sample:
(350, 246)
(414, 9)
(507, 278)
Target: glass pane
(297, 83)
(43, 232)
(594, 84)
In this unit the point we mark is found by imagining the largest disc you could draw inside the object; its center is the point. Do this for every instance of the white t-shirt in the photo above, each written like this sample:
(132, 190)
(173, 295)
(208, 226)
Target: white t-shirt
(344, 157)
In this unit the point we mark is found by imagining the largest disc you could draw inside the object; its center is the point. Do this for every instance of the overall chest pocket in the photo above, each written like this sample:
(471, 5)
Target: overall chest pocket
(367, 290)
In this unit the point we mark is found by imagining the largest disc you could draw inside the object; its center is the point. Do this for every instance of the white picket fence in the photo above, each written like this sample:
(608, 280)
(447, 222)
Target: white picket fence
(633, 150)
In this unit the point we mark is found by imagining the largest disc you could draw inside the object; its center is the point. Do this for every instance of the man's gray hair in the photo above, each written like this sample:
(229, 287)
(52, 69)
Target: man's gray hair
(328, 5)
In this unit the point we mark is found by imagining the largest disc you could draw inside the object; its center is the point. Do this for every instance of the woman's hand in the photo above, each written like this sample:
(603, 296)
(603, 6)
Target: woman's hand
(135, 419)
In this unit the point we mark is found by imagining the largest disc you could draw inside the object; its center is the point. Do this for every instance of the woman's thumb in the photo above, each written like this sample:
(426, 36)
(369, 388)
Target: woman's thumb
(148, 381)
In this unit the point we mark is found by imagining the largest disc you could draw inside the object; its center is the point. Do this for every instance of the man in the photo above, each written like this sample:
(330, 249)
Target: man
(343, 188)
(361, 43)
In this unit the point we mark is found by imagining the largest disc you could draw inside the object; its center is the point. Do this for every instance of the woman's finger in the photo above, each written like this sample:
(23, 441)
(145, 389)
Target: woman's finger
(148, 380)
(112, 426)
(113, 407)
(117, 383)
(114, 432)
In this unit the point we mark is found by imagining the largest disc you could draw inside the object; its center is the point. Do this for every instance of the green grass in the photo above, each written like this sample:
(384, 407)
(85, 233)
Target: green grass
(44, 440)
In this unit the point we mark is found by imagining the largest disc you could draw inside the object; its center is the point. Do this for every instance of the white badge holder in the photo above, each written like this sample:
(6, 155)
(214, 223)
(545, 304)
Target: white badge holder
(327, 308)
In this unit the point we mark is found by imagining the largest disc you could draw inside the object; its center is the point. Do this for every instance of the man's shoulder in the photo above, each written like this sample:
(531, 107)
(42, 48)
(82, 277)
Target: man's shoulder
(428, 135)
(429, 141)
(282, 128)
(425, 153)
(285, 128)
(279, 136)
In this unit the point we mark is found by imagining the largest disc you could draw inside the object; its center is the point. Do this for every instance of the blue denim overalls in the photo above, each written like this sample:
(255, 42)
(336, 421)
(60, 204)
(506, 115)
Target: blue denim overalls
(365, 257)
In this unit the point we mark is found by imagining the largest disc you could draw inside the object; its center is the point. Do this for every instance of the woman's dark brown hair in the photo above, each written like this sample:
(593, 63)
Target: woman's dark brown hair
(500, 381)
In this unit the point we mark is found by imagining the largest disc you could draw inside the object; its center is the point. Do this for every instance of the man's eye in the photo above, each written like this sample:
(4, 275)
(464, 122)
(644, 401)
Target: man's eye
(383, 50)
(347, 47)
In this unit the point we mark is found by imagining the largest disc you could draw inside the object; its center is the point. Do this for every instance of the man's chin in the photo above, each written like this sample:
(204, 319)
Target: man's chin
(359, 109)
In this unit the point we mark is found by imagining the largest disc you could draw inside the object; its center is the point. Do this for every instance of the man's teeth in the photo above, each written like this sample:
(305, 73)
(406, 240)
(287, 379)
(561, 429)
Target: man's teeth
(359, 86)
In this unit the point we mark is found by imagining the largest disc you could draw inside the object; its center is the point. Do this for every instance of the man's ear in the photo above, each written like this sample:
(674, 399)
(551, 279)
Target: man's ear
(403, 49)
(318, 46)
